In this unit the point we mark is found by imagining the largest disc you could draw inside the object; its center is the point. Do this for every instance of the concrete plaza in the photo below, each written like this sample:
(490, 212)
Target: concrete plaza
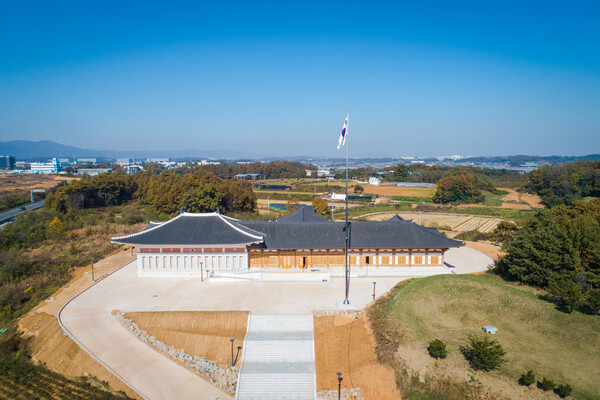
(88, 317)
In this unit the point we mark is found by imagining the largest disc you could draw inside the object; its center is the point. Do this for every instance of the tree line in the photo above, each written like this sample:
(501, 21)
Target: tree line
(558, 249)
(566, 184)
(433, 173)
(272, 170)
(166, 192)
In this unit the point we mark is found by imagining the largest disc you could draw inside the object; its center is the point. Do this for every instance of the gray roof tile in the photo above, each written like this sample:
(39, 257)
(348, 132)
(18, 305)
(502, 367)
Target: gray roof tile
(302, 231)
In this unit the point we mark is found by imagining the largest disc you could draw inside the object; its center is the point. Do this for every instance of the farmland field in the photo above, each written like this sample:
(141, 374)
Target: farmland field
(456, 223)
(388, 190)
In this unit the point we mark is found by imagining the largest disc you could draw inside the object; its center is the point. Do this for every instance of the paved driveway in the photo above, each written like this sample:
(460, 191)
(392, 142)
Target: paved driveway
(88, 317)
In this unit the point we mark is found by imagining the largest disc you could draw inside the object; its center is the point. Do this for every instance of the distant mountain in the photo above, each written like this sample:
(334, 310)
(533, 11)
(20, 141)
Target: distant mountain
(28, 150)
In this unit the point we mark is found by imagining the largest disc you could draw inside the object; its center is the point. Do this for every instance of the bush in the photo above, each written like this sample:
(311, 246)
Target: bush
(132, 215)
(527, 379)
(566, 294)
(564, 390)
(546, 384)
(593, 300)
(437, 349)
(483, 353)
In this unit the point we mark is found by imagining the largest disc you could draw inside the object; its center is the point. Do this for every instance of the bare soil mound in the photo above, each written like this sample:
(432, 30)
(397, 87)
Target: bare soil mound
(345, 344)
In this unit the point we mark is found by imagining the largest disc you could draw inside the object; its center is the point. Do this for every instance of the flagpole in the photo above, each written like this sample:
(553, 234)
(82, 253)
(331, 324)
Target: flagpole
(346, 301)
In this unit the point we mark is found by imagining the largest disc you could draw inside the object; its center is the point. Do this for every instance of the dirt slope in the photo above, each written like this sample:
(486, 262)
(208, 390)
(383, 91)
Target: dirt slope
(346, 345)
(52, 347)
(204, 334)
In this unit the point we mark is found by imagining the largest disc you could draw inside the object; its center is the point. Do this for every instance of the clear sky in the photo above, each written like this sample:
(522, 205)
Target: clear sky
(275, 78)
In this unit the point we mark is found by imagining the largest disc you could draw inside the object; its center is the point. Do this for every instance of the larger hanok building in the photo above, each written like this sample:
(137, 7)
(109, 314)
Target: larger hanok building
(212, 244)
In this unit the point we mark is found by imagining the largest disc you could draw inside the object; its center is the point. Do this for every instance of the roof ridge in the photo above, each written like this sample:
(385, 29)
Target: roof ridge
(238, 228)
(146, 230)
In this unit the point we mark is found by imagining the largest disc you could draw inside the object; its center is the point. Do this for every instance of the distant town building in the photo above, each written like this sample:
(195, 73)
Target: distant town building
(335, 196)
(92, 171)
(125, 161)
(51, 167)
(157, 160)
(64, 161)
(7, 163)
(323, 172)
(207, 162)
(250, 177)
(374, 181)
(21, 165)
(132, 168)
(308, 172)
(86, 160)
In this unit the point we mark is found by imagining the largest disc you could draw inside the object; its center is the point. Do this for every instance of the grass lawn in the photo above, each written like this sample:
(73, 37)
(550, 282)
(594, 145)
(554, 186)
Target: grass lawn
(492, 200)
(562, 347)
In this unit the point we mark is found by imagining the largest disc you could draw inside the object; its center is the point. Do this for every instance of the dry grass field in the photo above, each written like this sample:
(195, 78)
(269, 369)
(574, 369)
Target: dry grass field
(345, 344)
(389, 190)
(535, 335)
(18, 183)
(454, 223)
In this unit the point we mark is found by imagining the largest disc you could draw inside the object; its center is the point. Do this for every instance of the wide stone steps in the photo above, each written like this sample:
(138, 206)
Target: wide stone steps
(278, 360)
(281, 323)
(277, 351)
(276, 386)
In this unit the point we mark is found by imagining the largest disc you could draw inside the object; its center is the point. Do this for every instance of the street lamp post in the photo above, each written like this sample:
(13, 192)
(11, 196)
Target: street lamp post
(237, 354)
(93, 280)
(340, 379)
(232, 340)
(374, 283)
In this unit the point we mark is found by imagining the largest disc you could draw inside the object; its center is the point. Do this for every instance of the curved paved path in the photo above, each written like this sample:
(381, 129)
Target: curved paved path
(88, 317)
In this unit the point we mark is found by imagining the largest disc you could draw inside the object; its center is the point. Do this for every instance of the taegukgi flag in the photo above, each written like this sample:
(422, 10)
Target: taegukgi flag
(342, 140)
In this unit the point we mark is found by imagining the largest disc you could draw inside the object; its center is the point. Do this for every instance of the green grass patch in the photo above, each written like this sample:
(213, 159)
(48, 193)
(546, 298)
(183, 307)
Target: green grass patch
(534, 334)
(492, 212)
(358, 211)
(413, 199)
(491, 199)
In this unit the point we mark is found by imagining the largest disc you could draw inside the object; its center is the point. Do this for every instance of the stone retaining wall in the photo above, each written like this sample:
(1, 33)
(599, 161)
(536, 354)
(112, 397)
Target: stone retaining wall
(346, 394)
(223, 378)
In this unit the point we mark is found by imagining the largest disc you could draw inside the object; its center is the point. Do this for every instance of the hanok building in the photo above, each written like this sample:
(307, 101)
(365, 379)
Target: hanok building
(212, 244)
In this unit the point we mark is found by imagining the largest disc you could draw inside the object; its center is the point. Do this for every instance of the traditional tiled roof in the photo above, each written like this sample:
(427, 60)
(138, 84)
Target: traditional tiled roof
(301, 231)
(362, 234)
(396, 218)
(303, 214)
(194, 229)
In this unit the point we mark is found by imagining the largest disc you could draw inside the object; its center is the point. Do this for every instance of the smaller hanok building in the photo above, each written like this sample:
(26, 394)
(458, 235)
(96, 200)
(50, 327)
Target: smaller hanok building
(212, 244)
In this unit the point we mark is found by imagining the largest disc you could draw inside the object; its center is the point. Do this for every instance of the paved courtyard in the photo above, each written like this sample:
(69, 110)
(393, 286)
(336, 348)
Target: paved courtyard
(88, 317)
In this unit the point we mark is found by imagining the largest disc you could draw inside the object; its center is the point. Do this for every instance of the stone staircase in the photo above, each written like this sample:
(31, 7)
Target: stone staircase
(278, 360)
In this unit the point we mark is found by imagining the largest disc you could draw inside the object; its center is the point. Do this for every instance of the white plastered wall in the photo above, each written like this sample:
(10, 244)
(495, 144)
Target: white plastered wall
(189, 264)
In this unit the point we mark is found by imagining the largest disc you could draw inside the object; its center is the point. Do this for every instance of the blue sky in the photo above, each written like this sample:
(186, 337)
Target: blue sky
(274, 78)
